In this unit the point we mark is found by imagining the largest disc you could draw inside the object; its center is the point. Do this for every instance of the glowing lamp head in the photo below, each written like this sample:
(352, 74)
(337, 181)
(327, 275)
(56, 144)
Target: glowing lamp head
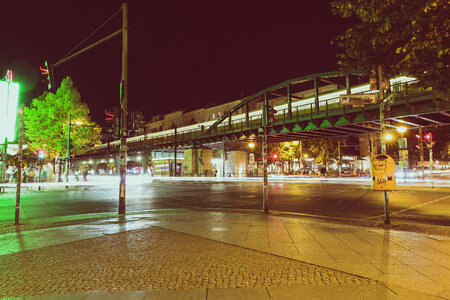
(388, 136)
(401, 129)
(41, 154)
(251, 145)
(275, 156)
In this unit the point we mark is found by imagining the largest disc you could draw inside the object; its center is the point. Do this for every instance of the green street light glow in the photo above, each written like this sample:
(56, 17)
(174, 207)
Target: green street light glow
(9, 95)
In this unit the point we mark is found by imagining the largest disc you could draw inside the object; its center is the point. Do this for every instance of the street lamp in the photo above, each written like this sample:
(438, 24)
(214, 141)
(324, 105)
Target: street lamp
(251, 163)
(402, 151)
(251, 145)
(388, 136)
(41, 156)
(401, 129)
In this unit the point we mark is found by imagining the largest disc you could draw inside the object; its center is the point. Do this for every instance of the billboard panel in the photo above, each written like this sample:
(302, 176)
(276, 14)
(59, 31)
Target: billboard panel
(9, 95)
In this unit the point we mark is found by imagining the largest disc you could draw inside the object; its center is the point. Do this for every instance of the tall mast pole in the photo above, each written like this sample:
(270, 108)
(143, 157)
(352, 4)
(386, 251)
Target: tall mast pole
(124, 112)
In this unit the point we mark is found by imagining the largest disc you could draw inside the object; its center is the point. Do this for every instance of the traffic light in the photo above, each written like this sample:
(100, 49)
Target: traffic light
(271, 115)
(419, 140)
(275, 156)
(109, 118)
(428, 137)
(48, 70)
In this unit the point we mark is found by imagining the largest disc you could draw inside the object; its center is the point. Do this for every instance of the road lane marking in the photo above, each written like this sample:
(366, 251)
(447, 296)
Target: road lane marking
(409, 208)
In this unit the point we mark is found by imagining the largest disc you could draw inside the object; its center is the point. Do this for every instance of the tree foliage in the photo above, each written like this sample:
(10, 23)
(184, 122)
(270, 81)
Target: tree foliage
(405, 37)
(286, 151)
(323, 150)
(47, 122)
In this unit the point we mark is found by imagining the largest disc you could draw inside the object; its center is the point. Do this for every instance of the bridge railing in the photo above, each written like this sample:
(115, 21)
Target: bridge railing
(299, 111)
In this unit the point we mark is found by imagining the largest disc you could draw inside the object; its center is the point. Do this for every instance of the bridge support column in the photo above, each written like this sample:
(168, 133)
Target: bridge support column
(289, 101)
(175, 153)
(316, 96)
(347, 84)
(224, 156)
(247, 118)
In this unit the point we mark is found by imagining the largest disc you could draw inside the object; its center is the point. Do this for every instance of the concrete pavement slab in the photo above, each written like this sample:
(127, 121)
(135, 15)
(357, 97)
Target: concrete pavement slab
(192, 294)
(258, 293)
(374, 253)
(408, 261)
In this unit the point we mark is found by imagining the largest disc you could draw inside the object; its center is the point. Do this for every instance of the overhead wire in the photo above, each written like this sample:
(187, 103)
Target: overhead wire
(91, 34)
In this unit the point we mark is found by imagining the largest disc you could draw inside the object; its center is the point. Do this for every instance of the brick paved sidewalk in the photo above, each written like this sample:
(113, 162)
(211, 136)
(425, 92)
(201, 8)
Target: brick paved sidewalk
(151, 259)
(220, 256)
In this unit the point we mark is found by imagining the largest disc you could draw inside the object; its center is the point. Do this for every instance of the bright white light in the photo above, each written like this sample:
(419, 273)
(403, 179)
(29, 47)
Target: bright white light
(216, 161)
(9, 94)
(348, 158)
(401, 129)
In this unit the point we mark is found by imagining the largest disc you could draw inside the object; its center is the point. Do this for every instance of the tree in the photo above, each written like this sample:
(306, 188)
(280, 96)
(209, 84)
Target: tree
(405, 37)
(323, 150)
(286, 151)
(28, 158)
(47, 122)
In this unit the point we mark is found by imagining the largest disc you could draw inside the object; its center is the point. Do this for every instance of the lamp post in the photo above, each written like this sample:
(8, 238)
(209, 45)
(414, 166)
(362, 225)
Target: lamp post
(251, 145)
(402, 151)
(305, 156)
(41, 156)
(78, 123)
(68, 153)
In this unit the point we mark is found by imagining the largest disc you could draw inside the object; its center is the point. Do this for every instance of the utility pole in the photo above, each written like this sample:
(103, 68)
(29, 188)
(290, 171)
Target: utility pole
(19, 166)
(265, 155)
(339, 157)
(371, 159)
(430, 146)
(68, 153)
(421, 151)
(175, 153)
(124, 112)
(383, 143)
(224, 155)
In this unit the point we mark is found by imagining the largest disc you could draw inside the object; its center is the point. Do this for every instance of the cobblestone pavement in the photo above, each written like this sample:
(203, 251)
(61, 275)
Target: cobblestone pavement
(152, 259)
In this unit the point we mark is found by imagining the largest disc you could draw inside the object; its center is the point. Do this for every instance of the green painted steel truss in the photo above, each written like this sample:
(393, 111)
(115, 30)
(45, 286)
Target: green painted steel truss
(315, 120)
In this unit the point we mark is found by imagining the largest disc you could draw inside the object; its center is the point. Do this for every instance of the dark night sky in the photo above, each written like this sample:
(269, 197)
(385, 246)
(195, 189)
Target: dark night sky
(182, 54)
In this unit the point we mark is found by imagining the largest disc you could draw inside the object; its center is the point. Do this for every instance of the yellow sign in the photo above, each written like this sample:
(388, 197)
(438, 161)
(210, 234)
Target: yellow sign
(383, 173)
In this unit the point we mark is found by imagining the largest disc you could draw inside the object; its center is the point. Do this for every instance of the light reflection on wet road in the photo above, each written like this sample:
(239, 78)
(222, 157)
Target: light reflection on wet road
(345, 201)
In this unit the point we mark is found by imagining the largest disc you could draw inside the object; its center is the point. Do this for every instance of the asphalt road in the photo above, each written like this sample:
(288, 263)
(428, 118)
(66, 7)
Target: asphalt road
(423, 205)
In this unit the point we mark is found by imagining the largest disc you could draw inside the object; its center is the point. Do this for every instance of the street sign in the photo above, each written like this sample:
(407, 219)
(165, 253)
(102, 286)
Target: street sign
(383, 173)
(403, 159)
(358, 99)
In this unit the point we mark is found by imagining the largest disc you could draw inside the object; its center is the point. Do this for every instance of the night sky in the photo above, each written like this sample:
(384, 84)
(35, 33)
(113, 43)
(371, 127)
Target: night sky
(182, 54)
